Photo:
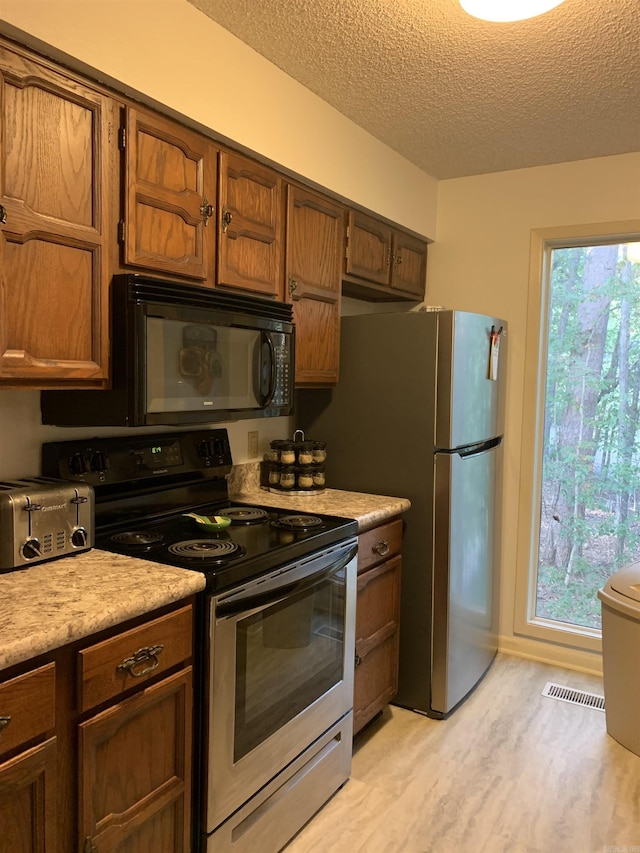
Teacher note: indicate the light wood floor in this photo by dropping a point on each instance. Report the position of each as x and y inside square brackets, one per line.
[510, 770]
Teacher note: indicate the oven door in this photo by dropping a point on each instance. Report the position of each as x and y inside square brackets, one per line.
[281, 671]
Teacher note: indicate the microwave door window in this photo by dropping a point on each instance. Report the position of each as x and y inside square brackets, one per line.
[198, 366]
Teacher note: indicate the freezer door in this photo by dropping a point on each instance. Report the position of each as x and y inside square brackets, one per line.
[469, 400]
[464, 642]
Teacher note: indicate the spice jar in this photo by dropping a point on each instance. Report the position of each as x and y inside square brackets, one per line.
[274, 452]
[274, 474]
[287, 453]
[305, 478]
[305, 452]
[319, 451]
[318, 477]
[287, 477]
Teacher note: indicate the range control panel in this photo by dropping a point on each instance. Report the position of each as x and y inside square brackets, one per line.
[123, 459]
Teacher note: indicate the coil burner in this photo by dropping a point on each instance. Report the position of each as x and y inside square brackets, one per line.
[244, 514]
[138, 540]
[206, 550]
[299, 522]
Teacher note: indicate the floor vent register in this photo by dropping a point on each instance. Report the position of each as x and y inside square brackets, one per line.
[575, 697]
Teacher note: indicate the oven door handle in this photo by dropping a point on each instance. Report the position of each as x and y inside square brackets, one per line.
[242, 603]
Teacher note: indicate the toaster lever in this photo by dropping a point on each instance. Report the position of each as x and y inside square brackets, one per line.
[79, 499]
[32, 507]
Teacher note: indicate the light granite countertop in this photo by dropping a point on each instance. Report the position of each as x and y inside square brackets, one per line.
[368, 510]
[51, 604]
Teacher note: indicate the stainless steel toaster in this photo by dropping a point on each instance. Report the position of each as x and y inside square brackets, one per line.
[42, 518]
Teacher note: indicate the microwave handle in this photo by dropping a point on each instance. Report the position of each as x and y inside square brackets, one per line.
[268, 397]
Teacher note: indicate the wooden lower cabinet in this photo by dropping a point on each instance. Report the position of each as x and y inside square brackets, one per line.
[377, 621]
[135, 768]
[96, 742]
[28, 811]
[28, 791]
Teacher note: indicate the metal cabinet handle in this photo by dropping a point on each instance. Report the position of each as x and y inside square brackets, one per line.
[3, 214]
[227, 216]
[4, 722]
[150, 653]
[358, 660]
[397, 260]
[381, 547]
[206, 211]
[293, 285]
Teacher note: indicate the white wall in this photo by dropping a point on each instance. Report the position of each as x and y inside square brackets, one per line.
[172, 53]
[480, 262]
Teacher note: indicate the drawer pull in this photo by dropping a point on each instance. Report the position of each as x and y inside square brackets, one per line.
[4, 722]
[150, 653]
[357, 661]
[381, 547]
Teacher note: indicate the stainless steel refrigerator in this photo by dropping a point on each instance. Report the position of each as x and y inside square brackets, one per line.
[417, 413]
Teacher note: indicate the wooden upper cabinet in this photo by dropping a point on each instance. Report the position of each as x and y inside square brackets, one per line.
[58, 162]
[170, 195]
[409, 264]
[383, 263]
[368, 248]
[250, 226]
[315, 229]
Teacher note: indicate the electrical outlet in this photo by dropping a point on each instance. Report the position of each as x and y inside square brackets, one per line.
[252, 444]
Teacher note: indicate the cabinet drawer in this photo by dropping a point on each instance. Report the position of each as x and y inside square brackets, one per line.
[378, 544]
[133, 657]
[29, 703]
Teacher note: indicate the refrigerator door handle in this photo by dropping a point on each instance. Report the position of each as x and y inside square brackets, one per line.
[481, 447]
[472, 449]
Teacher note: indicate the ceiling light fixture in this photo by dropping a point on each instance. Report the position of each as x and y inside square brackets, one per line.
[508, 10]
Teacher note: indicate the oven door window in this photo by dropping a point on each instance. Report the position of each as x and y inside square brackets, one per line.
[197, 366]
[287, 655]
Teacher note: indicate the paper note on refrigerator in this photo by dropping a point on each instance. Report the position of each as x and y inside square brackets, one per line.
[494, 352]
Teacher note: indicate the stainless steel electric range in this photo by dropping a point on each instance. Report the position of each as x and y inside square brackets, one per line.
[275, 627]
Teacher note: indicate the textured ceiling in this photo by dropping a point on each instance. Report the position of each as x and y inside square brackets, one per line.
[454, 95]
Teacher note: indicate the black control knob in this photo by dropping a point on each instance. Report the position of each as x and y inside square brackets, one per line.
[31, 549]
[79, 537]
[206, 448]
[99, 462]
[78, 464]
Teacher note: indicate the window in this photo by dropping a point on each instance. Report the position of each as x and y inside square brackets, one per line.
[580, 521]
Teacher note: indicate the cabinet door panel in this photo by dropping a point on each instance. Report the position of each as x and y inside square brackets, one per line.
[57, 164]
[135, 769]
[368, 248]
[315, 229]
[409, 270]
[171, 178]
[28, 801]
[250, 225]
[377, 640]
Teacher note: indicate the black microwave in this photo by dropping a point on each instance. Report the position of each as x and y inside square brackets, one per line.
[183, 354]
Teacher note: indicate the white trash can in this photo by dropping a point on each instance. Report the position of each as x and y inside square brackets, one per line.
[620, 599]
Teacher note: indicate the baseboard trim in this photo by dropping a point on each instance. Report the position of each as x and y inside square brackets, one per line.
[588, 662]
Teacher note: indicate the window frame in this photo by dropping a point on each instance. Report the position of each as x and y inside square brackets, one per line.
[543, 242]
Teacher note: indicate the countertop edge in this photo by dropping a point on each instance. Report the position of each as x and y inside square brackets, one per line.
[56, 603]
